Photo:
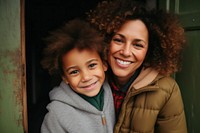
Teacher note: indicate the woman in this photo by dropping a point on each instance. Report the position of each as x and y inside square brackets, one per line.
[145, 49]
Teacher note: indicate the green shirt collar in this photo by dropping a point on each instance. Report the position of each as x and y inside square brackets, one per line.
[97, 101]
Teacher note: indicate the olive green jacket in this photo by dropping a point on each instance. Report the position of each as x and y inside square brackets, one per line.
[153, 104]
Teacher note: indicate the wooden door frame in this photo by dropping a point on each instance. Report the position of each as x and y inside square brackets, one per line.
[23, 66]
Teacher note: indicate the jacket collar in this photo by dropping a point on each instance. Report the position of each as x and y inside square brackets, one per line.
[146, 76]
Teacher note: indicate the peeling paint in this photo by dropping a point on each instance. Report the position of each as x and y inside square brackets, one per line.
[11, 100]
[10, 62]
[14, 59]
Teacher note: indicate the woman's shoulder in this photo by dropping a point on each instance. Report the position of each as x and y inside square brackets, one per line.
[164, 88]
[167, 83]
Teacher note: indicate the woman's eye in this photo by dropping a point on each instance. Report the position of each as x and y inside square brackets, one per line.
[138, 45]
[117, 40]
[93, 65]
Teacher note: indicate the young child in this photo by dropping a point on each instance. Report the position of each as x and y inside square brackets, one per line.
[83, 102]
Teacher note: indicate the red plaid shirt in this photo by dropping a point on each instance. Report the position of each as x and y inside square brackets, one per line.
[118, 97]
[120, 93]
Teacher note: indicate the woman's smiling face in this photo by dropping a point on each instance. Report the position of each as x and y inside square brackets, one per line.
[128, 49]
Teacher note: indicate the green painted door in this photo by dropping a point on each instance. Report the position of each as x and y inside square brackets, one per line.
[12, 68]
[189, 78]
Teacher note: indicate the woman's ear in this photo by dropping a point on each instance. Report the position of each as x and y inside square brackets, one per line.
[65, 79]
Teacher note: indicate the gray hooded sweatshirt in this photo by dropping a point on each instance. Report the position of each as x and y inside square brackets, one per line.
[70, 113]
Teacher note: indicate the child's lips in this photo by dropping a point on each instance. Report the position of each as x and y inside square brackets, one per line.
[90, 86]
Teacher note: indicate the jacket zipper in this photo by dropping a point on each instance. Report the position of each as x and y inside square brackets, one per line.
[103, 118]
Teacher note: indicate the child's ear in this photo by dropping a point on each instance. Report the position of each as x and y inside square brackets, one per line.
[105, 66]
[65, 79]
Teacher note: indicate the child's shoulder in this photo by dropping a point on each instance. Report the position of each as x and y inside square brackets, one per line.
[57, 108]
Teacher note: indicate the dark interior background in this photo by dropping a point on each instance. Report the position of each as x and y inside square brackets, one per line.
[42, 16]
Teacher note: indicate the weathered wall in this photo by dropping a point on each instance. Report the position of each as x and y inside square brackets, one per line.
[10, 68]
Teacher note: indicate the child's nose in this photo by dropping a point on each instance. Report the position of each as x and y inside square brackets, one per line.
[86, 76]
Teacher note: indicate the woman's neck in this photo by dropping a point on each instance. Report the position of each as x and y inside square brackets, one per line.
[124, 81]
[120, 81]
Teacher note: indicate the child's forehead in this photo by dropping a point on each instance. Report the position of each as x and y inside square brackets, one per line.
[81, 54]
[80, 58]
[81, 51]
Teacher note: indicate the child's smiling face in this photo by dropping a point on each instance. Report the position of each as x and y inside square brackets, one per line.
[84, 71]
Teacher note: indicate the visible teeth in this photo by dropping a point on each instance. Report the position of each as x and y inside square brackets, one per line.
[123, 62]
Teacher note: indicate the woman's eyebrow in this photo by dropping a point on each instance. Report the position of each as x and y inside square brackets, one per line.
[135, 40]
[121, 35]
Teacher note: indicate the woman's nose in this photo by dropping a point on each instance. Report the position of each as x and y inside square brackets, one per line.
[126, 51]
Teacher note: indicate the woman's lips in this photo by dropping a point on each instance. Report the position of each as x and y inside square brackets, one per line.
[122, 63]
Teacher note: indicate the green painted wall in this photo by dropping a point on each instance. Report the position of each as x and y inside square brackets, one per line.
[189, 78]
[189, 81]
[10, 68]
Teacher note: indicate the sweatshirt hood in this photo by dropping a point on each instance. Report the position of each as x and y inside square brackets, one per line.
[66, 95]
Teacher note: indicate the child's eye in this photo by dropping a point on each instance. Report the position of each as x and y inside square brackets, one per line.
[74, 72]
[93, 65]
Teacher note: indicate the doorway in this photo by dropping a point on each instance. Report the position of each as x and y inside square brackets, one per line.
[41, 17]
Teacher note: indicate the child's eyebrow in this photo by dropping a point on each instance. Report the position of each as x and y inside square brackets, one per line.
[88, 62]
[91, 60]
[71, 67]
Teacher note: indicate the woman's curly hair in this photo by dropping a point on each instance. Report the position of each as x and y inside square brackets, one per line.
[74, 34]
[166, 35]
